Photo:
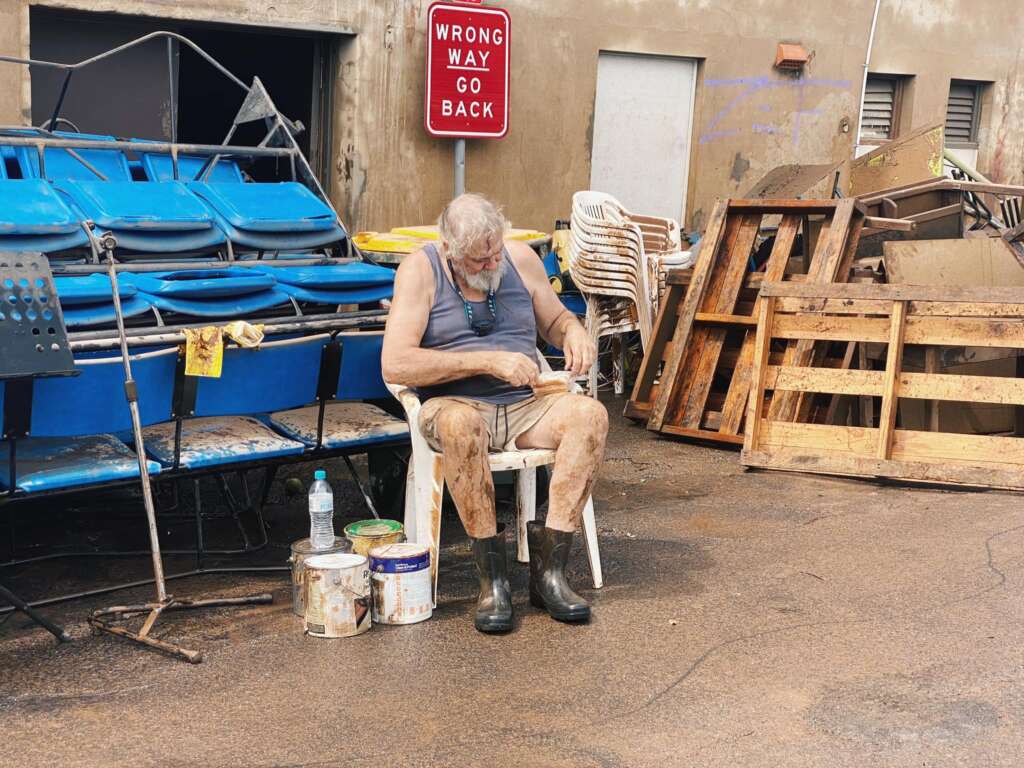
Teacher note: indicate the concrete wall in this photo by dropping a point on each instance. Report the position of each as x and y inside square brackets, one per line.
[748, 119]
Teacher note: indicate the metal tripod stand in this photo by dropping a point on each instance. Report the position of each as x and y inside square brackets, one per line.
[103, 620]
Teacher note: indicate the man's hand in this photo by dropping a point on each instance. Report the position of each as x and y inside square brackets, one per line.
[514, 367]
[580, 351]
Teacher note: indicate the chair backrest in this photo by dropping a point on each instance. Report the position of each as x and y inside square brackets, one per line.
[159, 167]
[276, 376]
[94, 403]
[61, 165]
[361, 377]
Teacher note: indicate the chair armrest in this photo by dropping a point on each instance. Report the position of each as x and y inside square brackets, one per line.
[410, 402]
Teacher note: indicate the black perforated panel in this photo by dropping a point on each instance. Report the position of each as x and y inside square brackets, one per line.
[33, 339]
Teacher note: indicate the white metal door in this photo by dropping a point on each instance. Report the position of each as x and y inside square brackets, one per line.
[643, 118]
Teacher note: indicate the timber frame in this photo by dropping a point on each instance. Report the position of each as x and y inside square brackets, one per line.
[695, 377]
[897, 316]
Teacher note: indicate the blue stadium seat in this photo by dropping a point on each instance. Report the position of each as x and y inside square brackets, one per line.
[349, 424]
[76, 420]
[223, 431]
[270, 216]
[228, 292]
[144, 216]
[354, 283]
[33, 217]
[160, 168]
[86, 300]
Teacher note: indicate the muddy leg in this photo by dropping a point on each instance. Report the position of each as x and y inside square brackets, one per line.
[576, 427]
[463, 438]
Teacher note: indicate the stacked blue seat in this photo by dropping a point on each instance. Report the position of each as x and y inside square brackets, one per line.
[87, 300]
[355, 283]
[144, 216]
[212, 293]
[260, 216]
[33, 217]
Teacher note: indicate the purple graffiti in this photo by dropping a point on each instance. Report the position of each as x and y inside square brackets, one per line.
[753, 85]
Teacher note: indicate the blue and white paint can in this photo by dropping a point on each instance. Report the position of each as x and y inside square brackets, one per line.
[401, 583]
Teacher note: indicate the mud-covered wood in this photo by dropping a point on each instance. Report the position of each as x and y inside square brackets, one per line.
[696, 375]
[900, 315]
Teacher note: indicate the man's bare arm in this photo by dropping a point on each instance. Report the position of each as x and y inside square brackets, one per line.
[405, 362]
[555, 323]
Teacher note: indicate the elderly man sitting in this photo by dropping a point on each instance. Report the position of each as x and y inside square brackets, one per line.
[463, 331]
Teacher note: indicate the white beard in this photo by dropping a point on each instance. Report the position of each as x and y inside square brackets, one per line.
[485, 280]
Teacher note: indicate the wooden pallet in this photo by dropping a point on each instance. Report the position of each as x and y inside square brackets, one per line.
[696, 373]
[894, 315]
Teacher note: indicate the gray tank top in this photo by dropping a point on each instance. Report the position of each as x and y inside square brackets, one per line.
[515, 330]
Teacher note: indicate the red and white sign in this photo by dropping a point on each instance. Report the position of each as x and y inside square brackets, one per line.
[467, 71]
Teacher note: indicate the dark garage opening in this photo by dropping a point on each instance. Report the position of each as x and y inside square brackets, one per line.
[129, 95]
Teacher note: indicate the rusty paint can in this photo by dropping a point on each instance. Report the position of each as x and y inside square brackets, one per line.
[367, 534]
[401, 583]
[337, 595]
[301, 550]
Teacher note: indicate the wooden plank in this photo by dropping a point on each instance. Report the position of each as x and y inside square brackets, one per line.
[881, 307]
[694, 297]
[829, 328]
[736, 261]
[879, 292]
[713, 318]
[737, 397]
[832, 253]
[945, 472]
[826, 380]
[962, 389]
[702, 434]
[888, 224]
[890, 390]
[663, 328]
[936, 213]
[824, 438]
[965, 332]
[762, 350]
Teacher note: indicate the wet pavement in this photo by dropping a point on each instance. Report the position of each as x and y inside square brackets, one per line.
[748, 619]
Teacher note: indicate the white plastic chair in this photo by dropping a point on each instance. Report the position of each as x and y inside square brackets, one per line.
[424, 489]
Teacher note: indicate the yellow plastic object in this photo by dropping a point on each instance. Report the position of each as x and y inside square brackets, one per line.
[560, 245]
[204, 351]
[410, 239]
[385, 242]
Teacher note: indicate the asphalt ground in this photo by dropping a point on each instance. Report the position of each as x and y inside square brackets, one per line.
[748, 619]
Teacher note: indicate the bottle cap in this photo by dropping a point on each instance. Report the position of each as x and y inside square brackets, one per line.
[319, 475]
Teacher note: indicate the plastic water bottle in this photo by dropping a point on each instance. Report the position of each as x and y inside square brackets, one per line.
[321, 512]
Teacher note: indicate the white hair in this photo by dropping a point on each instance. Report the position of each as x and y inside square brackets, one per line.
[467, 222]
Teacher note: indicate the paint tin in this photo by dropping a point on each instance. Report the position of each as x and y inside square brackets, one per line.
[302, 549]
[401, 583]
[367, 534]
[337, 595]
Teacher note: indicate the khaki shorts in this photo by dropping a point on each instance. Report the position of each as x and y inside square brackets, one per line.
[505, 423]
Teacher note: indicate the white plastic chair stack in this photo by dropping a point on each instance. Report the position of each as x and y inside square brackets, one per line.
[613, 260]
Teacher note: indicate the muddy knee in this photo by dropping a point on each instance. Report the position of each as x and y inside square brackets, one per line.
[460, 424]
[590, 414]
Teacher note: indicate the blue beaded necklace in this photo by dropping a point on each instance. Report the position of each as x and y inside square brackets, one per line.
[479, 327]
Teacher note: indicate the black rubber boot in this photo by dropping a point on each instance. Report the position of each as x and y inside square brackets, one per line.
[494, 606]
[549, 554]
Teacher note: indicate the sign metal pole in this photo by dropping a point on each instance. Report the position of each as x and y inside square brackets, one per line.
[460, 167]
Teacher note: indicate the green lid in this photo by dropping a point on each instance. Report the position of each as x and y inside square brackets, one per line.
[373, 528]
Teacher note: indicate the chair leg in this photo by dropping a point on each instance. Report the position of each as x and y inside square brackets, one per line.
[526, 509]
[429, 485]
[619, 368]
[410, 503]
[589, 525]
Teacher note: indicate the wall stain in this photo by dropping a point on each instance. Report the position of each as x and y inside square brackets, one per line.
[740, 166]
